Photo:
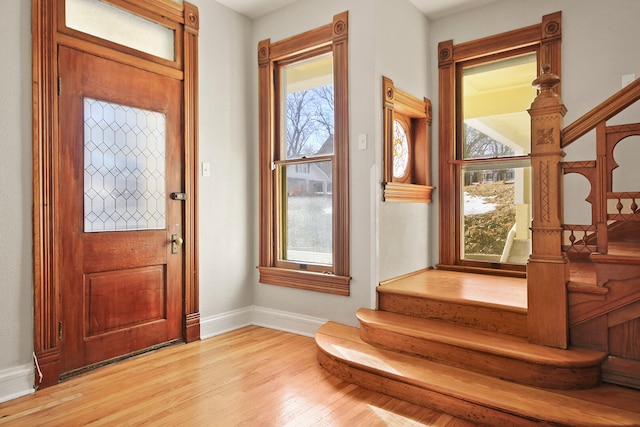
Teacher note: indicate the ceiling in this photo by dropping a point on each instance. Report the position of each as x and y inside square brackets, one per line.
[433, 9]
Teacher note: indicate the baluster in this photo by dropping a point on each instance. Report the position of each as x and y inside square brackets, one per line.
[619, 206]
[572, 239]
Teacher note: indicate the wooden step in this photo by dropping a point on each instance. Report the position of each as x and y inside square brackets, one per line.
[503, 356]
[476, 397]
[491, 303]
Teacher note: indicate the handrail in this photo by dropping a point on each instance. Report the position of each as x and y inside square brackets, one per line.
[603, 112]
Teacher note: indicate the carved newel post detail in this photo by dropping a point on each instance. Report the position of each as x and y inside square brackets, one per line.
[548, 269]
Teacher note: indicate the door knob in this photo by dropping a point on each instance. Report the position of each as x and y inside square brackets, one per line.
[176, 242]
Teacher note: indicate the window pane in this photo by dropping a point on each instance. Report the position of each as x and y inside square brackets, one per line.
[307, 212]
[496, 97]
[308, 108]
[496, 215]
[108, 22]
[124, 167]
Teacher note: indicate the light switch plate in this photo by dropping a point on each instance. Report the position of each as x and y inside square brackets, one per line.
[362, 141]
[206, 169]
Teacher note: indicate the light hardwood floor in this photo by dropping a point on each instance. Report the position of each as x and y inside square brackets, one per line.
[250, 377]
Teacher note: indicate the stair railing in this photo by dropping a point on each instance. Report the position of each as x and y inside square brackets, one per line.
[607, 206]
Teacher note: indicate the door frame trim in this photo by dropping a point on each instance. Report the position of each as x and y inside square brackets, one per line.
[46, 37]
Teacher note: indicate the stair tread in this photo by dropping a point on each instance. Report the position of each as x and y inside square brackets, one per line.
[462, 288]
[344, 343]
[504, 345]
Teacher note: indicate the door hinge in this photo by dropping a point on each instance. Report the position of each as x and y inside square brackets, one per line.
[59, 85]
[59, 331]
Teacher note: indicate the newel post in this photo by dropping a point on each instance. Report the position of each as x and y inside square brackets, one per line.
[547, 269]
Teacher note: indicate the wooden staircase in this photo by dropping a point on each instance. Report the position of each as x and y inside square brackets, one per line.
[448, 340]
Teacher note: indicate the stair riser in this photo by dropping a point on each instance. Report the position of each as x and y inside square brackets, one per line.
[485, 318]
[499, 366]
[451, 405]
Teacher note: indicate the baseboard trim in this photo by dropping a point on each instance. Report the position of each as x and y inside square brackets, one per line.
[260, 316]
[16, 382]
[225, 322]
[286, 321]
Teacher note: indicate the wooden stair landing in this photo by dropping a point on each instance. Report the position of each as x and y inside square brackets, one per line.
[502, 356]
[480, 398]
[491, 303]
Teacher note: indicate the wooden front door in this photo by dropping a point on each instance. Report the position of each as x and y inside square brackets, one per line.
[119, 229]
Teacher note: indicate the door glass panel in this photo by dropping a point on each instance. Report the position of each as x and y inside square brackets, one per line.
[108, 22]
[124, 167]
[307, 213]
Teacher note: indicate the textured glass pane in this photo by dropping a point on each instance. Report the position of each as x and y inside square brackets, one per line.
[400, 150]
[124, 167]
[307, 213]
[102, 20]
[308, 108]
[496, 215]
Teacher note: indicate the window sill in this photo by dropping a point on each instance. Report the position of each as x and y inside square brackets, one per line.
[400, 192]
[307, 280]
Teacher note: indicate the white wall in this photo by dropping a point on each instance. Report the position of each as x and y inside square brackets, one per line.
[16, 278]
[599, 45]
[402, 54]
[228, 233]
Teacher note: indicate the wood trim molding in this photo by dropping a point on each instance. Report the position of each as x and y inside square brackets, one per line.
[44, 128]
[47, 34]
[341, 233]
[191, 161]
[168, 8]
[266, 123]
[416, 114]
[319, 282]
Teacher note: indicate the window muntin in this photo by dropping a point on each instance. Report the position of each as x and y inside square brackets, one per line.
[493, 156]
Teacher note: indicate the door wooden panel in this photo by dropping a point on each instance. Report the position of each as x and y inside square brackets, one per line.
[123, 298]
[121, 289]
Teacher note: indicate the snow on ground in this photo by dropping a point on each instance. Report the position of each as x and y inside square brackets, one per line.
[474, 205]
